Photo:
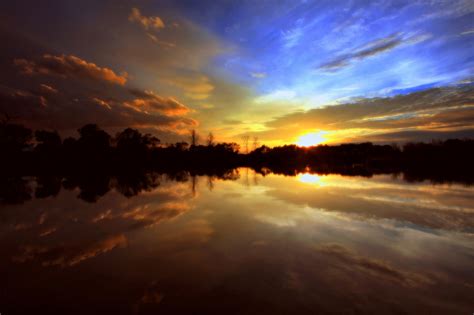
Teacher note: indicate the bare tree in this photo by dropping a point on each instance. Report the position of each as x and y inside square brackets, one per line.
[245, 139]
[194, 137]
[255, 143]
[210, 139]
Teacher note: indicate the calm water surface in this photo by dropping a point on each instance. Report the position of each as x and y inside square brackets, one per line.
[246, 245]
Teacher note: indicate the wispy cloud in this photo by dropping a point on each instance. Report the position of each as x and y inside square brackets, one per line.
[371, 49]
[468, 32]
[155, 39]
[258, 75]
[147, 22]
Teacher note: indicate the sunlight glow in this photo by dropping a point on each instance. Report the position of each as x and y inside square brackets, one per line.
[311, 139]
[309, 178]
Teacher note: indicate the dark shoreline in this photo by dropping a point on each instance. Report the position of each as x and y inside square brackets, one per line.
[131, 154]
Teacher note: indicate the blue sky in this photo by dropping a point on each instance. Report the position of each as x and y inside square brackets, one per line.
[289, 43]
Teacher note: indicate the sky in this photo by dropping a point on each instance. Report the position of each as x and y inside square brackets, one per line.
[285, 71]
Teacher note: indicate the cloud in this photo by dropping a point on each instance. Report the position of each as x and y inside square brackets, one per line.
[72, 255]
[147, 22]
[367, 112]
[446, 9]
[72, 98]
[258, 75]
[76, 106]
[468, 32]
[375, 267]
[371, 49]
[384, 202]
[292, 37]
[16, 102]
[444, 109]
[155, 39]
[195, 86]
[101, 102]
[48, 89]
[150, 216]
[69, 67]
[417, 135]
[148, 101]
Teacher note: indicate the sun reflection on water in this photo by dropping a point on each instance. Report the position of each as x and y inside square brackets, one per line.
[310, 179]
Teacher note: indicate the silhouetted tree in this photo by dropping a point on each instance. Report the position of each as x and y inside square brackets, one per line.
[135, 153]
[47, 186]
[245, 140]
[14, 138]
[255, 142]
[194, 138]
[92, 138]
[48, 141]
[14, 190]
[210, 139]
[132, 141]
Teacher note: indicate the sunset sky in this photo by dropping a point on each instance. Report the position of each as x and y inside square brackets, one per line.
[284, 71]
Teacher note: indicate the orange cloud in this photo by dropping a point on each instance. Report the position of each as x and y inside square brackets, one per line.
[150, 215]
[67, 256]
[147, 22]
[48, 89]
[102, 103]
[149, 102]
[69, 67]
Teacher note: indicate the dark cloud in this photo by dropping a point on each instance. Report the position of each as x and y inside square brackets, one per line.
[148, 101]
[418, 135]
[371, 49]
[368, 112]
[376, 267]
[66, 92]
[70, 256]
[47, 89]
[437, 109]
[66, 110]
[20, 103]
[69, 67]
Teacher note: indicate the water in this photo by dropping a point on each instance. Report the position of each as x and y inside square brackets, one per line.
[244, 245]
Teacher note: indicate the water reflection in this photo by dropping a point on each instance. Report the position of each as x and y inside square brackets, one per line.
[237, 242]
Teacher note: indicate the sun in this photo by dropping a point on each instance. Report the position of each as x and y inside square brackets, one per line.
[311, 139]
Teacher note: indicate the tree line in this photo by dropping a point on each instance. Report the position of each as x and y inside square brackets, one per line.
[95, 150]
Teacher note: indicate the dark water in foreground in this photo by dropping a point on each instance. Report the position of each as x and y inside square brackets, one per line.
[252, 245]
